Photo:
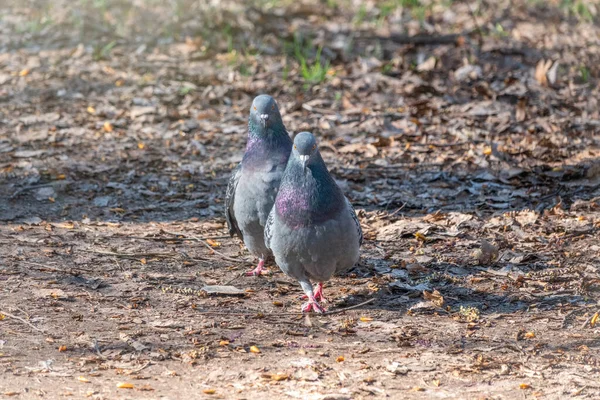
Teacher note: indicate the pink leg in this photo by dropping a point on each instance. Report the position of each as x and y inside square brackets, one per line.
[318, 293]
[259, 270]
[312, 305]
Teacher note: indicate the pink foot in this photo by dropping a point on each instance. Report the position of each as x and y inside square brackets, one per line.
[313, 306]
[259, 270]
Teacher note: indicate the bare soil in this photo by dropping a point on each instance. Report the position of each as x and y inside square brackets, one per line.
[466, 136]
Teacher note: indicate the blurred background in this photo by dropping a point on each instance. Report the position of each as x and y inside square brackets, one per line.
[116, 89]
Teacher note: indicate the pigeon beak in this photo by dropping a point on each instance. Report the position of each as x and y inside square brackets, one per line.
[304, 160]
[263, 119]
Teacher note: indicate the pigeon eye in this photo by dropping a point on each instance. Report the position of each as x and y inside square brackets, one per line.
[254, 108]
[295, 148]
[314, 147]
[273, 107]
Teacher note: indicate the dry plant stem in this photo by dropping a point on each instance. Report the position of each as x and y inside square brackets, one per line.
[341, 310]
[23, 321]
[178, 239]
[254, 313]
[135, 255]
[33, 187]
[209, 247]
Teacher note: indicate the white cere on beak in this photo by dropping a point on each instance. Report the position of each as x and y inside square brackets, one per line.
[304, 160]
[264, 118]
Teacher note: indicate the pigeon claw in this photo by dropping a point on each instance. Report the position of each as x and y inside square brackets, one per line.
[259, 270]
[312, 306]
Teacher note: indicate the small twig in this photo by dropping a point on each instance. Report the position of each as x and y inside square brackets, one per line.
[44, 185]
[442, 145]
[588, 320]
[282, 314]
[22, 320]
[42, 267]
[209, 247]
[341, 310]
[575, 311]
[136, 255]
[179, 239]
[477, 26]
[135, 371]
[418, 40]
[234, 278]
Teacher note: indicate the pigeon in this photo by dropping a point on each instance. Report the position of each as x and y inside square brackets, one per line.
[312, 230]
[254, 182]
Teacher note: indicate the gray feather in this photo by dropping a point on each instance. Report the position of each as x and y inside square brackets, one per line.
[312, 230]
[356, 222]
[229, 201]
[255, 182]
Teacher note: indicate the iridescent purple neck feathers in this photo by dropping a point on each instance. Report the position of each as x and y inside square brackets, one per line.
[308, 195]
[273, 147]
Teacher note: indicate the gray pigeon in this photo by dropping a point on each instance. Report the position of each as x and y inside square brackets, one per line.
[254, 182]
[312, 229]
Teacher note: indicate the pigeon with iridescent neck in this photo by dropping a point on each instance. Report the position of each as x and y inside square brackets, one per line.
[254, 182]
[312, 229]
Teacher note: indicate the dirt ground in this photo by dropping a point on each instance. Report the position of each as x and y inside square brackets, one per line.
[466, 134]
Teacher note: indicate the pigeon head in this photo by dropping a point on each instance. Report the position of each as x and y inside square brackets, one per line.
[264, 114]
[305, 148]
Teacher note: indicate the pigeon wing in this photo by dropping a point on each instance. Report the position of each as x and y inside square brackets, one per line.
[230, 199]
[356, 222]
[269, 228]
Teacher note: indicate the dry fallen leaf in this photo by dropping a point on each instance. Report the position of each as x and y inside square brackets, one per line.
[83, 379]
[420, 236]
[435, 297]
[91, 110]
[125, 385]
[11, 393]
[417, 389]
[366, 319]
[276, 377]
[427, 65]
[24, 72]
[541, 69]
[141, 145]
[524, 386]
[254, 349]
[213, 243]
[340, 359]
[530, 335]
[108, 127]
[209, 391]
[62, 348]
[521, 110]
[223, 342]
[487, 254]
[594, 320]
[367, 150]
[143, 261]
